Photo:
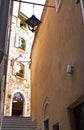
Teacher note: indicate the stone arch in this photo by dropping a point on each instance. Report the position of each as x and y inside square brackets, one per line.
[45, 115]
[24, 103]
[45, 106]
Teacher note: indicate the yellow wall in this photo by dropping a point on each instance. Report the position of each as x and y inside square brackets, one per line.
[59, 42]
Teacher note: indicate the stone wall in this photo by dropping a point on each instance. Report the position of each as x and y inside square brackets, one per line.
[59, 42]
[14, 82]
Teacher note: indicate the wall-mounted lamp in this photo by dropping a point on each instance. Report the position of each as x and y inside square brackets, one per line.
[70, 69]
[33, 23]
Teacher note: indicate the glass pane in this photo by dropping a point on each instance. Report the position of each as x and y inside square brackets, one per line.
[18, 96]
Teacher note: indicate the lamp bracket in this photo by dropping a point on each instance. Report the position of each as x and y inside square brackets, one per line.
[34, 3]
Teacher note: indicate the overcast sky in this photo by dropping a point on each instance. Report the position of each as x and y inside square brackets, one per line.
[27, 9]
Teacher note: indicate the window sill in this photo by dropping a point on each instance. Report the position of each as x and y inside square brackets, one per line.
[21, 50]
[22, 78]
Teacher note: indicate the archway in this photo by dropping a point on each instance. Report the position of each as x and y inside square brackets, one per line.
[45, 114]
[17, 104]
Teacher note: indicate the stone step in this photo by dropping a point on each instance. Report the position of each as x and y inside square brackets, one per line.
[23, 122]
[16, 118]
[17, 129]
[18, 123]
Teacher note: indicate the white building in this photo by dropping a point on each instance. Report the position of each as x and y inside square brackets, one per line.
[18, 84]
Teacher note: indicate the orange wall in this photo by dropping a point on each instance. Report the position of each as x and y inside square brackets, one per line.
[59, 42]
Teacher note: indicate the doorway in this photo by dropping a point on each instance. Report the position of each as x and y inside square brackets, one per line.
[79, 116]
[46, 124]
[17, 104]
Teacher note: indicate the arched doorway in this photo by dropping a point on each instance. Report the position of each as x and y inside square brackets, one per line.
[17, 104]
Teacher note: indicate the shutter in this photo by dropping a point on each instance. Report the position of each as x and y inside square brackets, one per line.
[16, 40]
[18, 22]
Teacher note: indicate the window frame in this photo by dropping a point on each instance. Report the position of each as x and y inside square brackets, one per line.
[58, 4]
[19, 63]
[23, 25]
[23, 42]
[16, 42]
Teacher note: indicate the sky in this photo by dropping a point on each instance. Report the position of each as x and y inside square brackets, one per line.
[29, 9]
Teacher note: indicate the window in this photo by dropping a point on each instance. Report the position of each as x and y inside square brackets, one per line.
[21, 43]
[20, 69]
[23, 25]
[58, 4]
[18, 96]
[79, 116]
[82, 8]
[56, 126]
[76, 111]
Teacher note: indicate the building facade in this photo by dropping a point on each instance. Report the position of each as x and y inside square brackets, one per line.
[18, 83]
[58, 66]
[5, 24]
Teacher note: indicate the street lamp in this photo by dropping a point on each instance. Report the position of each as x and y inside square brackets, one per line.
[33, 23]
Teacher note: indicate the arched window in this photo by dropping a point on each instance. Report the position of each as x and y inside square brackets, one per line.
[18, 96]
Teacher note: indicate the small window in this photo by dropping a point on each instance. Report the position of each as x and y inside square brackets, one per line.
[56, 126]
[82, 8]
[46, 124]
[21, 43]
[23, 25]
[20, 69]
[58, 4]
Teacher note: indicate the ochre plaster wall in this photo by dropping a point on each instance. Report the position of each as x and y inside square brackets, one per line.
[59, 42]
